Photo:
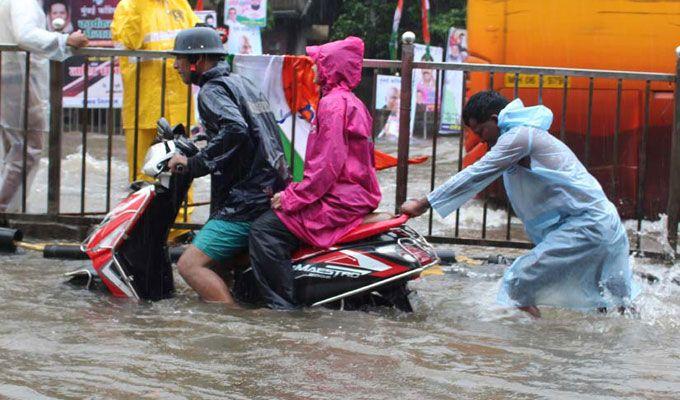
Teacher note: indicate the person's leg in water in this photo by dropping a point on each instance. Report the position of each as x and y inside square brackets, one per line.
[532, 310]
[271, 247]
[581, 265]
[522, 290]
[194, 266]
[11, 172]
[216, 242]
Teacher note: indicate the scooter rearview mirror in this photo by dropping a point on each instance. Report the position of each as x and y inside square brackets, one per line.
[179, 130]
[164, 130]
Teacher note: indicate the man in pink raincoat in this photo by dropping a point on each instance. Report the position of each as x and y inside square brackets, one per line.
[339, 187]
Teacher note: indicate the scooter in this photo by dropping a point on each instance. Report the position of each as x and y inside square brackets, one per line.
[369, 266]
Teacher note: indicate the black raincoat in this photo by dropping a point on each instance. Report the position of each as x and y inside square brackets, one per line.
[244, 154]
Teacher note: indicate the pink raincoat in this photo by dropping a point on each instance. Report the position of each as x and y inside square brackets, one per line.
[339, 187]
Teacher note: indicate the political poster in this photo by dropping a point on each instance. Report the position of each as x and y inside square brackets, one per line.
[245, 12]
[208, 17]
[387, 97]
[452, 91]
[93, 18]
[424, 81]
[98, 83]
[244, 39]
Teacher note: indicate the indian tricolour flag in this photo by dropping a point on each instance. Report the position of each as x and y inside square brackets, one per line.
[287, 83]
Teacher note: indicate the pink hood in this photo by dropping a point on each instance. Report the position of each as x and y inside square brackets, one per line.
[338, 63]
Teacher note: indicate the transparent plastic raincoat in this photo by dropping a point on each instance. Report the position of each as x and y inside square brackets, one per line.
[581, 255]
[23, 23]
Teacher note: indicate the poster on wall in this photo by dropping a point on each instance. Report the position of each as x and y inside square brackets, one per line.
[424, 82]
[387, 96]
[208, 17]
[244, 40]
[245, 12]
[93, 18]
[452, 91]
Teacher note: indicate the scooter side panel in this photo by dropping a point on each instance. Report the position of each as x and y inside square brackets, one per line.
[351, 267]
[144, 255]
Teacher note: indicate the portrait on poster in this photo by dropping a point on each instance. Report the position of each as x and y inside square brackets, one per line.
[244, 40]
[208, 17]
[452, 90]
[245, 12]
[59, 11]
[424, 84]
[425, 80]
[387, 96]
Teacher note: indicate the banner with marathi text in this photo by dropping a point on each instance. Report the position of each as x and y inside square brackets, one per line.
[93, 18]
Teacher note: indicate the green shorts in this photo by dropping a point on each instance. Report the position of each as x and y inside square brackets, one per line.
[221, 240]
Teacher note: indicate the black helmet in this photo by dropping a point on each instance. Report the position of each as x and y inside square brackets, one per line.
[198, 41]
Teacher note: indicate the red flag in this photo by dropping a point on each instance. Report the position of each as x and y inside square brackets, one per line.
[424, 17]
[199, 5]
[384, 160]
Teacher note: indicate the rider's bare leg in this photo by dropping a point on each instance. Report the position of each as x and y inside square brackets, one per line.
[194, 266]
[532, 310]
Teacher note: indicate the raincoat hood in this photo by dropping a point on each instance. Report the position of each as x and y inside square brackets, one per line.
[515, 114]
[338, 63]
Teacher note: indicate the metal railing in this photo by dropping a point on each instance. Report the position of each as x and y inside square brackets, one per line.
[406, 65]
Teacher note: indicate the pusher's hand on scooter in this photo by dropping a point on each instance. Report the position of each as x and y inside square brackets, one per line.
[415, 207]
[177, 164]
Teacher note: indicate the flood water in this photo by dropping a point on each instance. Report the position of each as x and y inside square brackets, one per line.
[59, 342]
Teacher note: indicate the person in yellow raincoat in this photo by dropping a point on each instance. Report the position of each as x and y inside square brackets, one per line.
[151, 25]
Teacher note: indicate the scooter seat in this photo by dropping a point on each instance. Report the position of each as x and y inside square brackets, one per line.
[373, 224]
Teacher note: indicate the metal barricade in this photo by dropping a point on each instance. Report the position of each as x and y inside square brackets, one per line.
[86, 215]
[407, 65]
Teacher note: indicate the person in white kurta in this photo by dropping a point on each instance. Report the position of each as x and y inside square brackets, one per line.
[24, 23]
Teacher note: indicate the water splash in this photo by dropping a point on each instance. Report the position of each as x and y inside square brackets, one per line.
[653, 235]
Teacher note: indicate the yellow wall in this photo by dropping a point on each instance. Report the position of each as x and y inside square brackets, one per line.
[604, 34]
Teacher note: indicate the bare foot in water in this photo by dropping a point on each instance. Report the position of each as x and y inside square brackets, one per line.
[532, 310]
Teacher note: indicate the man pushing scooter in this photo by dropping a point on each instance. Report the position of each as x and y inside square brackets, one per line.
[244, 156]
[581, 255]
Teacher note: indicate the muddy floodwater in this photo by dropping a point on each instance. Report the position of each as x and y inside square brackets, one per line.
[64, 343]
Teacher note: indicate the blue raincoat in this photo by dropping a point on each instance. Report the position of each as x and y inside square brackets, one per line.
[581, 255]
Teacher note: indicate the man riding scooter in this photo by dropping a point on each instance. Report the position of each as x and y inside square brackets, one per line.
[244, 156]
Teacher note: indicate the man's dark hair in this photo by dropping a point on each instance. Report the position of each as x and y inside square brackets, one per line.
[193, 58]
[483, 105]
[62, 2]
